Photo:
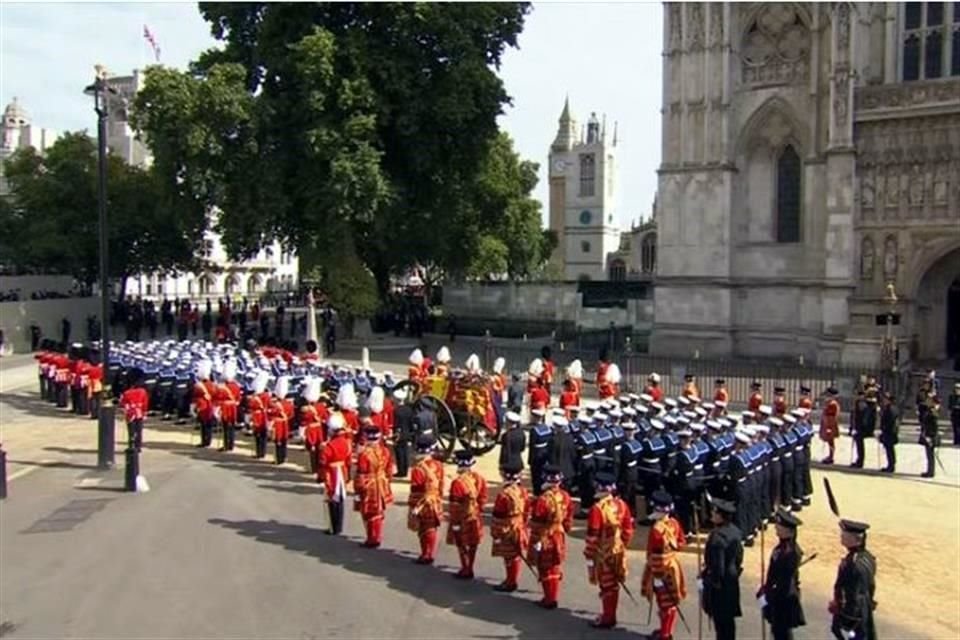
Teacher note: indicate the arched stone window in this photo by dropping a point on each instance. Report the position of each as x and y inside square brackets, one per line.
[254, 284]
[588, 175]
[618, 270]
[231, 284]
[789, 195]
[648, 253]
[206, 285]
[930, 40]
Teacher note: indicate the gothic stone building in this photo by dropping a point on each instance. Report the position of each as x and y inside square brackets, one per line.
[811, 158]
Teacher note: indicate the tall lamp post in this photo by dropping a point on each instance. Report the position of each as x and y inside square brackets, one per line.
[889, 351]
[101, 93]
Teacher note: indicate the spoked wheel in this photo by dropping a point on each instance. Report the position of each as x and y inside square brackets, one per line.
[474, 435]
[446, 425]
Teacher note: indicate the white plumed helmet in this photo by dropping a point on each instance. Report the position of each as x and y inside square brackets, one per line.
[416, 357]
[443, 355]
[311, 392]
[260, 382]
[499, 364]
[230, 370]
[613, 374]
[347, 397]
[375, 401]
[536, 367]
[473, 363]
[575, 370]
[654, 377]
[282, 387]
[204, 368]
[335, 422]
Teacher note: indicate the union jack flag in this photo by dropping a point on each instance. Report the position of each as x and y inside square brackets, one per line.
[153, 42]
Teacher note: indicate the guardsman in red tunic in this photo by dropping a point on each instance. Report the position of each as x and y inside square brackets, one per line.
[539, 397]
[575, 373]
[551, 518]
[135, 403]
[755, 401]
[416, 371]
[653, 388]
[280, 413]
[549, 368]
[663, 575]
[609, 531]
[690, 388]
[335, 469]
[509, 528]
[230, 395]
[608, 382]
[468, 497]
[313, 417]
[830, 423]
[720, 393]
[204, 398]
[41, 357]
[805, 401]
[498, 380]
[258, 403]
[95, 391]
[371, 485]
[380, 417]
[348, 404]
[779, 402]
[426, 498]
[62, 379]
[569, 397]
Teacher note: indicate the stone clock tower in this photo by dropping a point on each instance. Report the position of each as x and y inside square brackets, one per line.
[582, 197]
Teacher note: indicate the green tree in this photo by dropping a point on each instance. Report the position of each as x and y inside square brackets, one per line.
[371, 119]
[52, 217]
[490, 260]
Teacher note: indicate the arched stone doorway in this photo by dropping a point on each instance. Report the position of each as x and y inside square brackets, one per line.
[938, 309]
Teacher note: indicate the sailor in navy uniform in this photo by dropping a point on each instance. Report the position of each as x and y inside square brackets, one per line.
[739, 474]
[603, 449]
[537, 458]
[680, 481]
[651, 463]
[562, 451]
[777, 446]
[787, 463]
[629, 476]
[586, 444]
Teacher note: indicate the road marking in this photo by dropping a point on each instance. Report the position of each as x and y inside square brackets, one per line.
[30, 469]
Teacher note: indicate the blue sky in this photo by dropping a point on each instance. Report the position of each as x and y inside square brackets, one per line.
[606, 56]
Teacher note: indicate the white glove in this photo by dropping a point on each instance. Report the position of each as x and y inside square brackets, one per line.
[455, 527]
[538, 546]
[699, 584]
[589, 564]
[848, 633]
[657, 583]
[762, 600]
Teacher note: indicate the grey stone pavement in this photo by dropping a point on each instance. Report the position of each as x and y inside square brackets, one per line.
[224, 546]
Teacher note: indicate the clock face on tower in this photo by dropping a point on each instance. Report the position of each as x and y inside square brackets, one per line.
[559, 166]
[585, 217]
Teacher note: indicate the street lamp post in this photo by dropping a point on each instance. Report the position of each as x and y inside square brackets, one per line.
[101, 91]
[889, 343]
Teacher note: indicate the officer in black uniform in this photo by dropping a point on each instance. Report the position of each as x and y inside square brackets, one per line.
[722, 566]
[562, 451]
[930, 433]
[779, 597]
[513, 442]
[866, 425]
[628, 476]
[889, 431]
[853, 604]
[680, 481]
[738, 480]
[403, 433]
[586, 468]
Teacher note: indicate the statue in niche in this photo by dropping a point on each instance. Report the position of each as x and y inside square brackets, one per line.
[893, 188]
[916, 186]
[867, 256]
[890, 258]
[867, 194]
[941, 187]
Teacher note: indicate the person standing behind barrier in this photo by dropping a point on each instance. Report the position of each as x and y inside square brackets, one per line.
[930, 433]
[135, 403]
[889, 432]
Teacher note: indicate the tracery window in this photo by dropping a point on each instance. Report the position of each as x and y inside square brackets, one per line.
[588, 174]
[930, 40]
[788, 195]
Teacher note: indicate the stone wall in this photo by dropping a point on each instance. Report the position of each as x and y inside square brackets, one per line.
[16, 318]
[30, 284]
[542, 307]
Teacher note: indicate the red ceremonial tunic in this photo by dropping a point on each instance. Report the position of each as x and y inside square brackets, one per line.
[281, 412]
[569, 399]
[756, 399]
[426, 496]
[509, 527]
[415, 373]
[805, 403]
[663, 576]
[548, 371]
[539, 398]
[135, 403]
[96, 380]
[228, 398]
[551, 518]
[655, 392]
[468, 497]
[609, 531]
[829, 424]
[313, 417]
[690, 390]
[721, 395]
[779, 405]
[204, 395]
[257, 404]
[335, 463]
[371, 482]
[383, 422]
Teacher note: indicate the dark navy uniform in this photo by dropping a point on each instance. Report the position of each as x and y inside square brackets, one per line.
[586, 469]
[853, 591]
[629, 477]
[537, 458]
[777, 446]
[562, 453]
[512, 444]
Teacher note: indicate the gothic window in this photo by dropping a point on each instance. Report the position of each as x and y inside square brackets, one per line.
[618, 270]
[930, 40]
[788, 195]
[775, 49]
[648, 253]
[588, 174]
[585, 246]
[867, 256]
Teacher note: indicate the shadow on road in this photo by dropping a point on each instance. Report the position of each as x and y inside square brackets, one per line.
[59, 464]
[475, 599]
[70, 451]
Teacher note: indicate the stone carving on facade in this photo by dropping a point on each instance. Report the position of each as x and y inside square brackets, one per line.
[890, 258]
[888, 96]
[841, 95]
[776, 47]
[915, 193]
[892, 188]
[941, 185]
[867, 257]
[695, 24]
[716, 23]
[867, 191]
[843, 30]
[676, 25]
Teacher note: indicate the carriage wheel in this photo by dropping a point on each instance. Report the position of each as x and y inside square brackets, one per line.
[474, 435]
[446, 425]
